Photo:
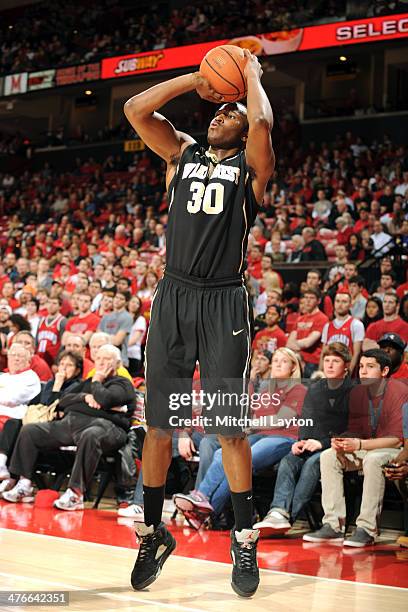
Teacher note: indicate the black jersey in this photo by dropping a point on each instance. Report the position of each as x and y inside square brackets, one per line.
[212, 207]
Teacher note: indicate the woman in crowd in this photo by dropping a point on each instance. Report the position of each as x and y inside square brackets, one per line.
[149, 286]
[136, 337]
[17, 323]
[355, 251]
[67, 377]
[373, 311]
[268, 445]
[326, 405]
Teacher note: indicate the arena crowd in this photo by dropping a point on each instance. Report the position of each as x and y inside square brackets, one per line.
[81, 255]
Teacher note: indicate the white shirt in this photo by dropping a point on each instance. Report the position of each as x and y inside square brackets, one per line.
[401, 189]
[379, 241]
[135, 350]
[16, 390]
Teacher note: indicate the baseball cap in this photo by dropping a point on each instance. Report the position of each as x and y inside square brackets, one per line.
[393, 339]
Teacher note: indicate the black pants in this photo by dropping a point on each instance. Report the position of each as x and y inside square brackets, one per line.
[9, 435]
[135, 366]
[92, 437]
[201, 320]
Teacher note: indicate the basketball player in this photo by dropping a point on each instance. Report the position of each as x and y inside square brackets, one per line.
[200, 310]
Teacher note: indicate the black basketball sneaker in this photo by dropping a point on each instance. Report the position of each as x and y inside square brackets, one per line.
[245, 573]
[155, 548]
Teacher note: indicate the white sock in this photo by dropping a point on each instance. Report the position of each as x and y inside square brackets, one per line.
[3, 460]
[25, 482]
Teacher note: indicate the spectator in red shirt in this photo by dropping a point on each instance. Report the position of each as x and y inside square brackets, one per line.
[391, 323]
[306, 337]
[403, 289]
[344, 228]
[395, 346]
[255, 262]
[4, 278]
[50, 331]
[258, 237]
[363, 220]
[86, 322]
[37, 364]
[272, 336]
[8, 293]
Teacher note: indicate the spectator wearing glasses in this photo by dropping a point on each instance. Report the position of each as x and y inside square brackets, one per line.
[37, 363]
[67, 376]
[17, 387]
[96, 418]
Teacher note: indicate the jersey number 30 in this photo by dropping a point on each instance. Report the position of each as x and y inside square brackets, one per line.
[210, 199]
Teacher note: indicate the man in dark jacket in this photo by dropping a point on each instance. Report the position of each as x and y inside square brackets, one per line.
[313, 249]
[326, 405]
[96, 420]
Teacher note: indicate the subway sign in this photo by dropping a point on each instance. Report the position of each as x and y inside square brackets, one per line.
[273, 43]
[372, 29]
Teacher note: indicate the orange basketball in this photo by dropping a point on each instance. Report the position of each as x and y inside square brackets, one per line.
[223, 67]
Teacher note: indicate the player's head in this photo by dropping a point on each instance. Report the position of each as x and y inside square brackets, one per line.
[229, 127]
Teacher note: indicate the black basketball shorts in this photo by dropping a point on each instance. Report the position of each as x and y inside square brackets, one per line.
[206, 321]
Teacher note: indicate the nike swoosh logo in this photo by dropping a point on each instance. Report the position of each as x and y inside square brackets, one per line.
[235, 333]
[249, 498]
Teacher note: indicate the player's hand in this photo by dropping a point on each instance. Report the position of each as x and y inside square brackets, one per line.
[252, 65]
[91, 401]
[186, 447]
[204, 89]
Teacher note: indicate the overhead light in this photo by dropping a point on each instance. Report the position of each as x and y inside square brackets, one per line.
[75, 31]
[88, 92]
[10, 27]
[343, 58]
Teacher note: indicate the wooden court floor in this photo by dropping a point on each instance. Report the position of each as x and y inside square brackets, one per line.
[97, 578]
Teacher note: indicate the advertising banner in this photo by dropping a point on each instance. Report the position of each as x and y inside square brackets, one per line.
[15, 84]
[274, 43]
[78, 74]
[43, 79]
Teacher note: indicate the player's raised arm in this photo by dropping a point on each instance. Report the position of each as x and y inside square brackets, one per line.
[259, 152]
[154, 129]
